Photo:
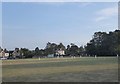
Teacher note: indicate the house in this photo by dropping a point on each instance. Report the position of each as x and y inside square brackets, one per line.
[16, 53]
[4, 53]
[60, 52]
[10, 54]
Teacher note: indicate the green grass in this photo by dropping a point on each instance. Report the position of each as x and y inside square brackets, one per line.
[61, 70]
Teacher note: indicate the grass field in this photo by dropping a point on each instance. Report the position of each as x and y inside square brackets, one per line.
[61, 70]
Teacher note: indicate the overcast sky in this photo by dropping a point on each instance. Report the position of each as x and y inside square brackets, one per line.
[32, 25]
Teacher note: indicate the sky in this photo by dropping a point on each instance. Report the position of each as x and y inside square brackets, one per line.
[60, 0]
[33, 24]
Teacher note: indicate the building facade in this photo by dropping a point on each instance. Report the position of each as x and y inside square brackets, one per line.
[4, 53]
[60, 52]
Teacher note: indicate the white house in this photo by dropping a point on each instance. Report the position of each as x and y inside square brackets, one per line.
[4, 54]
[16, 53]
[60, 52]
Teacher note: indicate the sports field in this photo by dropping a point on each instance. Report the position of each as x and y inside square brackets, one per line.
[85, 69]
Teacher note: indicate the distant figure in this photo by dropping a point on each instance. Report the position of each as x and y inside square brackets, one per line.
[95, 56]
[39, 58]
[117, 55]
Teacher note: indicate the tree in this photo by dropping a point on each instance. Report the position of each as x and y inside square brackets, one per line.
[74, 50]
[26, 53]
[72, 44]
[50, 48]
[48, 45]
[5, 50]
[117, 47]
[104, 44]
[61, 46]
[67, 52]
[37, 51]
[42, 53]
[81, 50]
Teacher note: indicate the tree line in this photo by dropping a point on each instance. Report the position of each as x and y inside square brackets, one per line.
[101, 44]
[71, 50]
[104, 44]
